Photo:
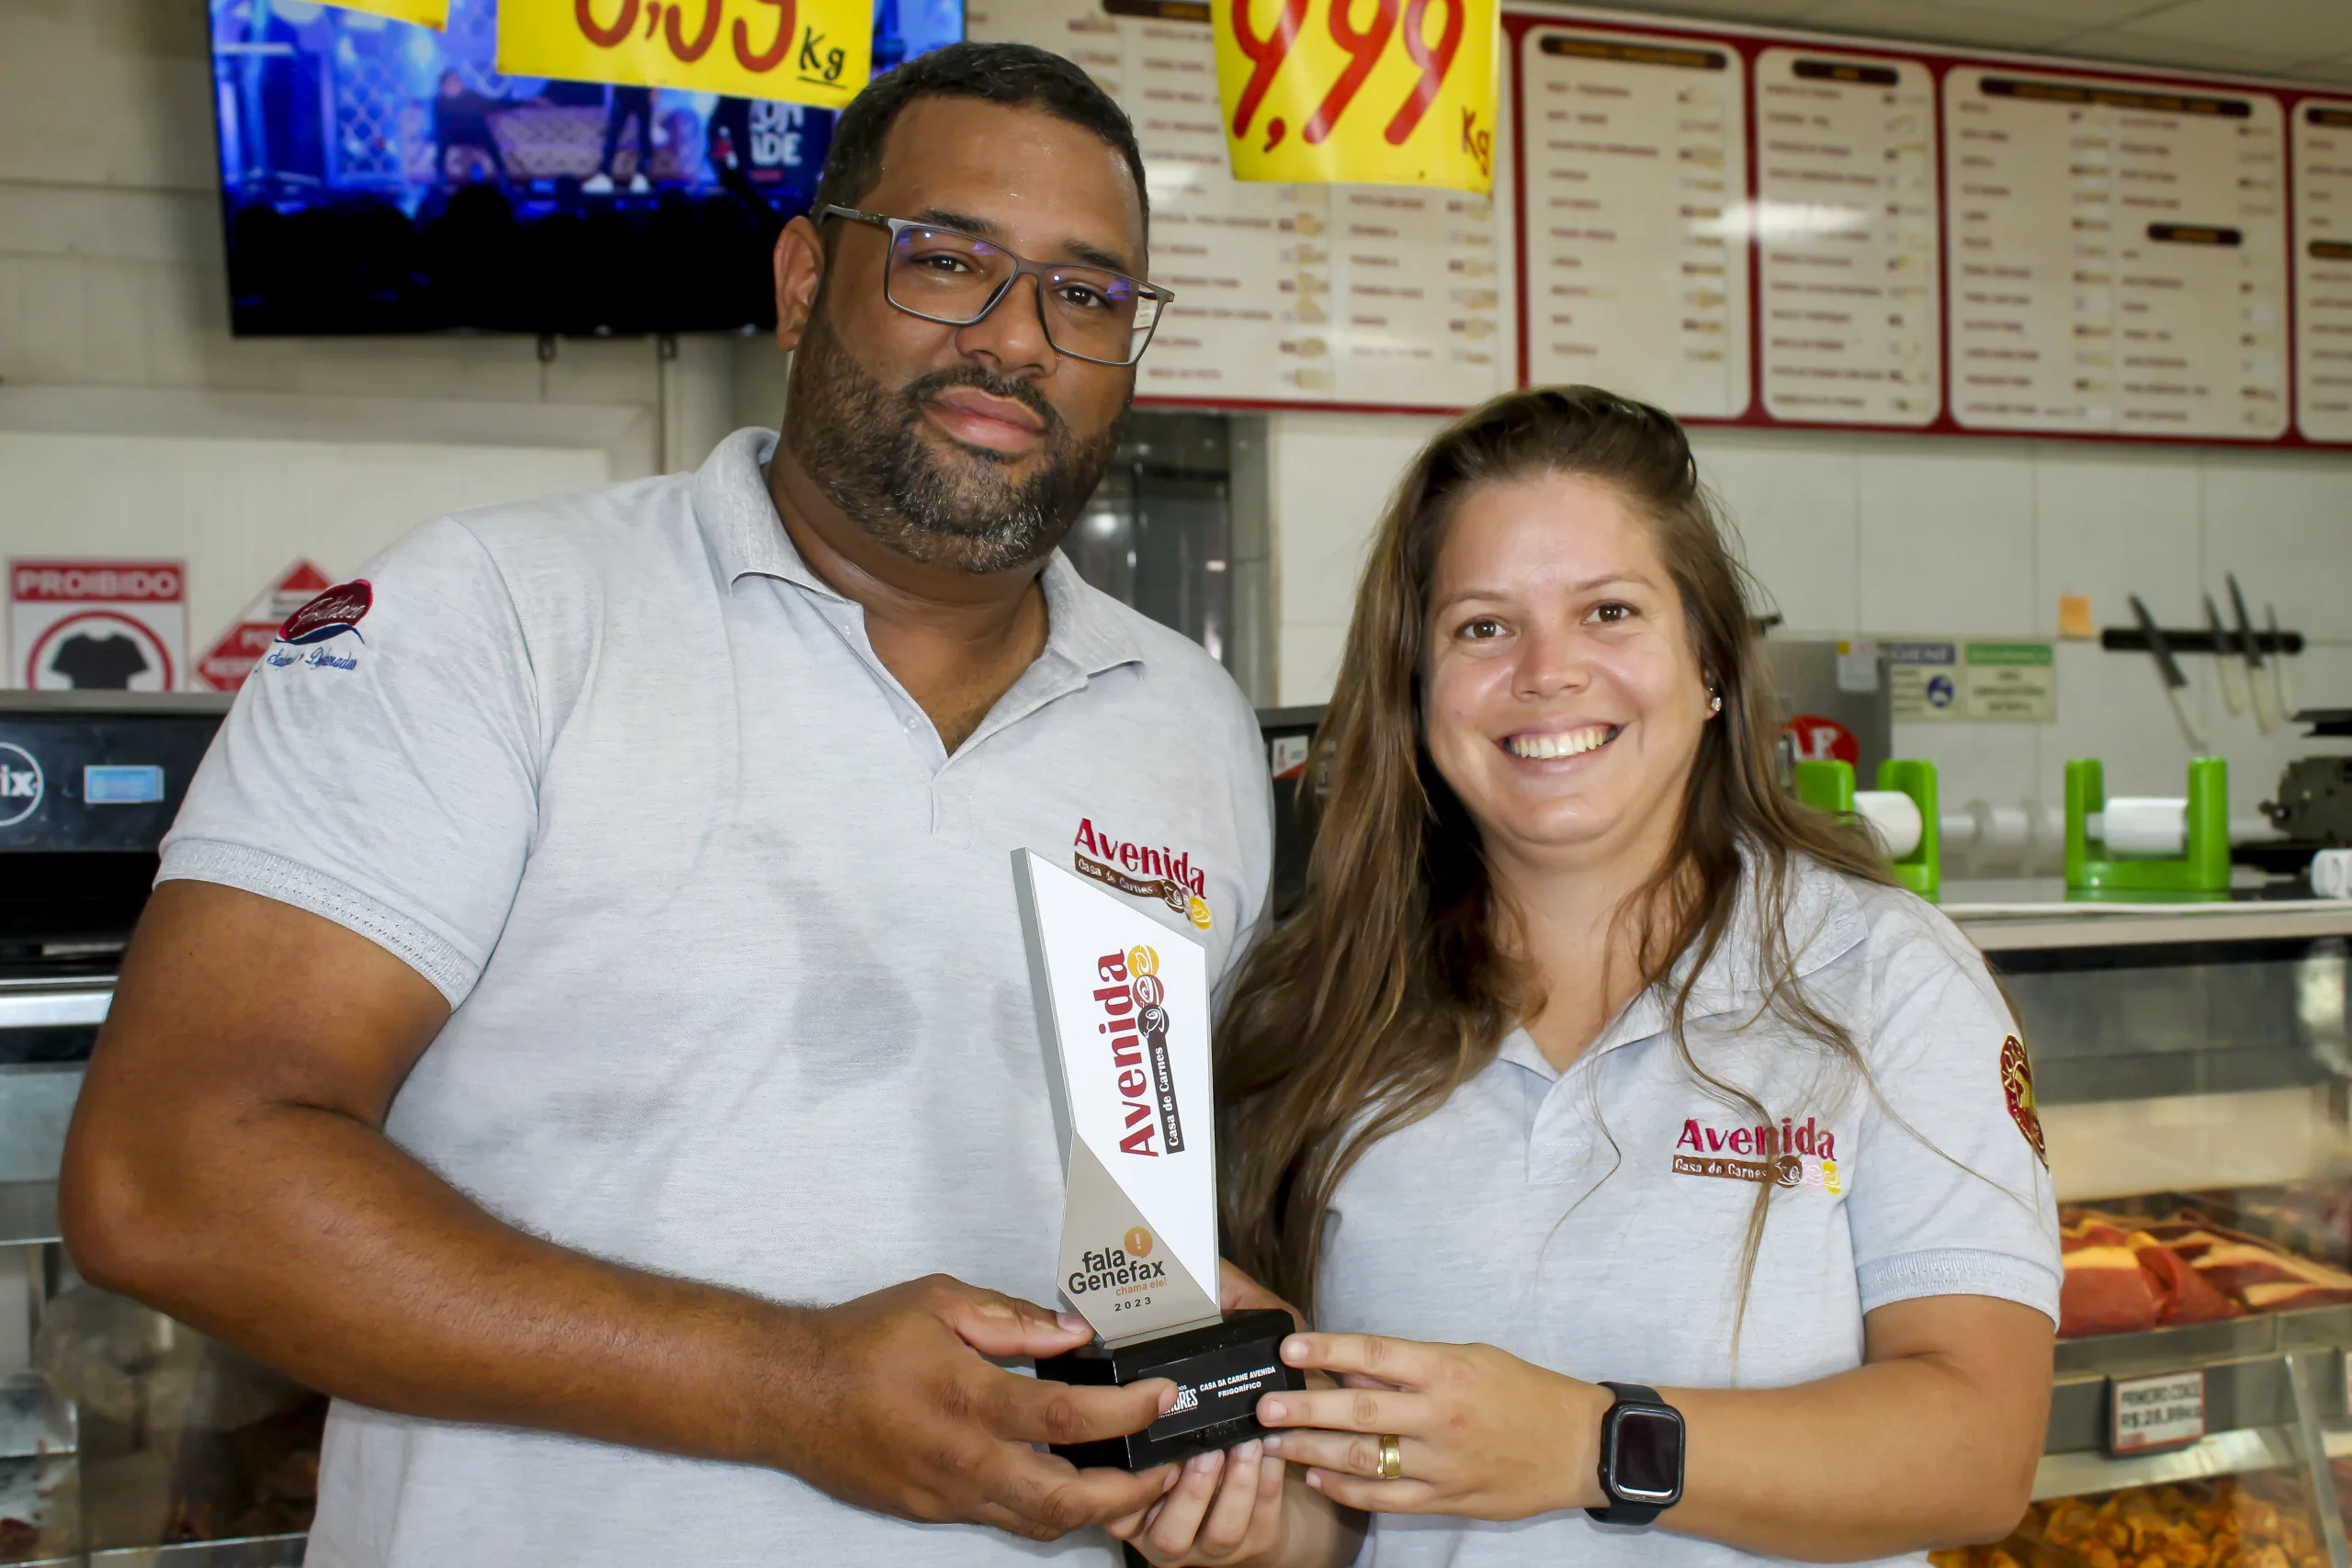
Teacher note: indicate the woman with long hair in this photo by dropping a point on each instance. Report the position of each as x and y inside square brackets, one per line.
[1665, 1181]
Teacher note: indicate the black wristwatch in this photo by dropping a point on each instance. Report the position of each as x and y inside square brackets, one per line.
[1641, 1456]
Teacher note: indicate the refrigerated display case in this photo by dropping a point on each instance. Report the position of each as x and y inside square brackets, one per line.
[127, 1439]
[2191, 1073]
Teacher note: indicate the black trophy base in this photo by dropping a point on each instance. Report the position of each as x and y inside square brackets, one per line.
[1221, 1371]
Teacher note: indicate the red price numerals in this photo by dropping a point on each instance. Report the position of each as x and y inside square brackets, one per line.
[1362, 46]
[666, 20]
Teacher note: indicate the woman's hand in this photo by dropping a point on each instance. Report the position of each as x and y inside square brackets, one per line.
[1484, 1435]
[1237, 1292]
[1224, 1508]
[1237, 1507]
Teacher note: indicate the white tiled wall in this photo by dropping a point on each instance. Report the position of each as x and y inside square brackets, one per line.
[239, 511]
[111, 278]
[1902, 536]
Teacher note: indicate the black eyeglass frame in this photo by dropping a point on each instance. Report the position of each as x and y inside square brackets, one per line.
[1022, 268]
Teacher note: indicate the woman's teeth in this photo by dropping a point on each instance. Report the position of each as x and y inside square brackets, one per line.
[1574, 743]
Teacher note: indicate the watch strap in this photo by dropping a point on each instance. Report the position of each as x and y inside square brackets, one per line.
[1620, 1512]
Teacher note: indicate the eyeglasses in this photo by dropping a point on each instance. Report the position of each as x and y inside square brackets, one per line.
[954, 278]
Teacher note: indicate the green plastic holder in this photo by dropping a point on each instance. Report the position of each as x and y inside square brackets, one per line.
[1830, 786]
[1922, 870]
[1827, 787]
[2201, 873]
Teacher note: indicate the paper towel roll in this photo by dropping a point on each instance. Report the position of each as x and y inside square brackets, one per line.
[1984, 839]
[2332, 874]
[2002, 832]
[2142, 825]
[1892, 816]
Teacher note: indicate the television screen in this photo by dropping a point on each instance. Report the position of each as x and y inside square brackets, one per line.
[381, 177]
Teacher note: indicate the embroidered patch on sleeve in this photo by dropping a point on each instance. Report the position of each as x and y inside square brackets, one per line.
[2016, 1088]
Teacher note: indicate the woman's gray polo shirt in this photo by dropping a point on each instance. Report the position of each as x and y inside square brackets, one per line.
[1592, 1220]
[732, 942]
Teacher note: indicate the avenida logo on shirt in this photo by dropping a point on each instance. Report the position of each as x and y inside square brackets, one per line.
[1789, 1156]
[1147, 872]
[333, 613]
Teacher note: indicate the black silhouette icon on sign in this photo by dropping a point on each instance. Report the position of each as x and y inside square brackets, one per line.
[98, 664]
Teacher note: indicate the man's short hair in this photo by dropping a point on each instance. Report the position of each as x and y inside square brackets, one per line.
[1016, 74]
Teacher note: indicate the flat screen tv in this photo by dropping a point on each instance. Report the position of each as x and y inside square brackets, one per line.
[381, 177]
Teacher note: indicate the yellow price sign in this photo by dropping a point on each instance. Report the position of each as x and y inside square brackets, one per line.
[1381, 92]
[804, 51]
[434, 14]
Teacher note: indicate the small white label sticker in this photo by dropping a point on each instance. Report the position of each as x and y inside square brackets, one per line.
[2165, 1411]
[1858, 666]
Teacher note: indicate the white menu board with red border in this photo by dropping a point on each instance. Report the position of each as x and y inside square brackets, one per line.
[1635, 156]
[2118, 256]
[1762, 227]
[2319, 159]
[1845, 218]
[1385, 295]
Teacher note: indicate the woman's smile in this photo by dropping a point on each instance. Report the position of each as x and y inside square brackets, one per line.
[1539, 745]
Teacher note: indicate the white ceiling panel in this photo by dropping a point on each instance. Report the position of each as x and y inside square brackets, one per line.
[1729, 10]
[2155, 48]
[1931, 21]
[2298, 29]
[2311, 38]
[2077, 14]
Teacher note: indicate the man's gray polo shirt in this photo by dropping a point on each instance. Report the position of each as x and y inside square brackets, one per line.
[731, 940]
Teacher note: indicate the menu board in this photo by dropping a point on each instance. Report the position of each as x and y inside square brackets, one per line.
[2320, 146]
[1746, 225]
[1636, 185]
[1379, 294]
[1846, 238]
[2116, 256]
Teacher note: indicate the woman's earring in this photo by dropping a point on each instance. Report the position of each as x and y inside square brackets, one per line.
[1716, 703]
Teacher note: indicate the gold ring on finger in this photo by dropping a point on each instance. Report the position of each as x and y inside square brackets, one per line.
[1392, 1457]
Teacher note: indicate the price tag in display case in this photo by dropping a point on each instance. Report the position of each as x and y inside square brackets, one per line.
[803, 51]
[1381, 92]
[2148, 1414]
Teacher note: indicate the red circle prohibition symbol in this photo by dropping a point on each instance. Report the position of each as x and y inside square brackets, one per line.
[140, 629]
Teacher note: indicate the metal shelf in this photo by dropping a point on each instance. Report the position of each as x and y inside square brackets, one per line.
[2219, 1453]
[2025, 926]
[44, 1003]
[252, 1551]
[2274, 1387]
[29, 1212]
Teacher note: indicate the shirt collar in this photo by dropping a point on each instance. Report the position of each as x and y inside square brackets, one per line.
[1822, 924]
[1084, 624]
[746, 537]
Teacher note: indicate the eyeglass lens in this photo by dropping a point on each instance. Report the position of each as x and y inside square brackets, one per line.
[952, 278]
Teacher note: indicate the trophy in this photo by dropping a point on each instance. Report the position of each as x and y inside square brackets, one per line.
[1123, 1005]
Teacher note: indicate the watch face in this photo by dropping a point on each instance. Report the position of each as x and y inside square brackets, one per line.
[1646, 1461]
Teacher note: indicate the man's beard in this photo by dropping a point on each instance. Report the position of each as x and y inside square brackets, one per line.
[861, 446]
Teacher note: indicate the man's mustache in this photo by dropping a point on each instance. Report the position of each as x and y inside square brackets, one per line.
[923, 389]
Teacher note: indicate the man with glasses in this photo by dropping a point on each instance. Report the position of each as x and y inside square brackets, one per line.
[583, 1023]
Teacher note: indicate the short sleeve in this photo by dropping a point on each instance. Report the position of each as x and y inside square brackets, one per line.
[383, 776]
[1951, 1194]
